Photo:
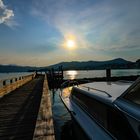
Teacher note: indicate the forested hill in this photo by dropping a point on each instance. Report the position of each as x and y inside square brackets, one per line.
[118, 63]
[15, 68]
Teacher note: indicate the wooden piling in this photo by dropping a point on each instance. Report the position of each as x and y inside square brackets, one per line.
[44, 129]
[55, 77]
[4, 82]
[108, 74]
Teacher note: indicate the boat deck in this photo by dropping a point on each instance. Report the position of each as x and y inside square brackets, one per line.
[113, 89]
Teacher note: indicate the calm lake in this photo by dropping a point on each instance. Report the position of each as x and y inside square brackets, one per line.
[98, 73]
[73, 74]
[12, 75]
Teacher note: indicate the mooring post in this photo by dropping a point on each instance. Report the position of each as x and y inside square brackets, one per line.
[52, 77]
[4, 83]
[15, 79]
[108, 74]
[61, 72]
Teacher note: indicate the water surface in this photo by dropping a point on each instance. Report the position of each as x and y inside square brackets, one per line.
[78, 74]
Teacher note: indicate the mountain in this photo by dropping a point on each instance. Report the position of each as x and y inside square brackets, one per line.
[15, 68]
[138, 63]
[118, 63]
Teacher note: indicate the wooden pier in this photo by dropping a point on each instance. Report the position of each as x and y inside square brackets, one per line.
[44, 129]
[20, 108]
[55, 77]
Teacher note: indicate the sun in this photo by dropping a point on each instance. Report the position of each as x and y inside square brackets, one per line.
[70, 44]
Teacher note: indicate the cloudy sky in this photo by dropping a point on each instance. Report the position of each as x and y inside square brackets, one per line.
[33, 32]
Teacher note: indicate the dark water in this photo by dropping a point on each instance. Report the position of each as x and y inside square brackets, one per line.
[62, 118]
[66, 128]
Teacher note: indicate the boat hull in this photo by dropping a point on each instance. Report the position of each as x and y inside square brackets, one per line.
[90, 127]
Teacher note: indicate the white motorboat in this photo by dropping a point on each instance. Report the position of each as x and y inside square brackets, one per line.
[105, 110]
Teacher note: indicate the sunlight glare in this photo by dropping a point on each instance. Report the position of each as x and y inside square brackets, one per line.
[70, 44]
[71, 74]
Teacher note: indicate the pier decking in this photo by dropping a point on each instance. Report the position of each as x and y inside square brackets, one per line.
[19, 111]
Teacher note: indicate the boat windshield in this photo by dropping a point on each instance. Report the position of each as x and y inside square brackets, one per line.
[134, 94]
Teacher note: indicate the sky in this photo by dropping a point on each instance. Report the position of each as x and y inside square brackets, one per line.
[34, 32]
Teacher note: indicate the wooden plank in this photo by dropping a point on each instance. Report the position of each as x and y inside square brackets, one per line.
[19, 111]
[44, 129]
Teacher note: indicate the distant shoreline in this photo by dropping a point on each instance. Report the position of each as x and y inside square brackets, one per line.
[117, 63]
[70, 70]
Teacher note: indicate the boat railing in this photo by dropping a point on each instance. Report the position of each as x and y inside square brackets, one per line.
[90, 88]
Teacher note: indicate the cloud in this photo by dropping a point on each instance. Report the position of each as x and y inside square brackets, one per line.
[97, 25]
[125, 48]
[6, 15]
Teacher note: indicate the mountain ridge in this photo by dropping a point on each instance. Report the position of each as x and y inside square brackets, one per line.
[89, 65]
[118, 63]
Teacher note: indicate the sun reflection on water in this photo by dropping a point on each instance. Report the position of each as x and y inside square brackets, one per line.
[71, 74]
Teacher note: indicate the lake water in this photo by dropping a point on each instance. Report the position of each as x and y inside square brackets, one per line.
[72, 74]
[12, 75]
[60, 115]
